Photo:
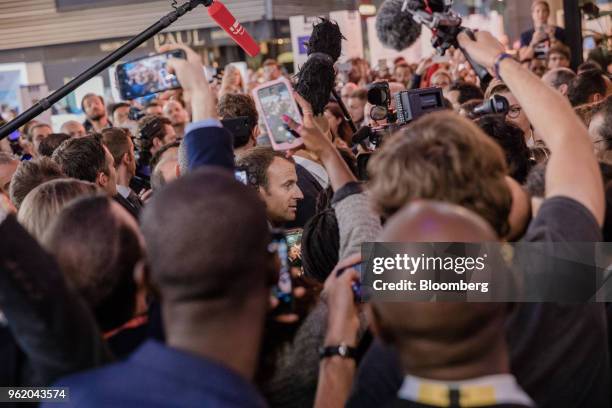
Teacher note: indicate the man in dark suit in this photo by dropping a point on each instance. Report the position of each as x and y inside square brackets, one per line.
[89, 160]
[213, 324]
[121, 147]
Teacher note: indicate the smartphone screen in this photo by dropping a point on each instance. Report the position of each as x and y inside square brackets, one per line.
[283, 289]
[294, 242]
[146, 76]
[275, 101]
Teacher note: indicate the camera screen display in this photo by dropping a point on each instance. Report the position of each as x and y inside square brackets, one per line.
[146, 76]
[276, 101]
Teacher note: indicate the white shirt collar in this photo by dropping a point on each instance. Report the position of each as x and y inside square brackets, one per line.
[124, 191]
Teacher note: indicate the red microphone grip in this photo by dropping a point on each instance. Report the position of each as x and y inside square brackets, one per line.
[222, 16]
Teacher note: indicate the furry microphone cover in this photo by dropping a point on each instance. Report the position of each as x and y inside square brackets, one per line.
[326, 38]
[316, 80]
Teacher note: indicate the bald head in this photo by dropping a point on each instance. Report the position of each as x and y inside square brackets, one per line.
[432, 221]
[73, 128]
[439, 337]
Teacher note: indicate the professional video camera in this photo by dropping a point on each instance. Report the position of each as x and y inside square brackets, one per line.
[409, 105]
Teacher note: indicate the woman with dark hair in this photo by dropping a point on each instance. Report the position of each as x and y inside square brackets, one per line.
[338, 125]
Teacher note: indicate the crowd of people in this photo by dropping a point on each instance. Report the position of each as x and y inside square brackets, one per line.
[136, 267]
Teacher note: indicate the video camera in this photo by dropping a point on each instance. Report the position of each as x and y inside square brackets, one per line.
[409, 105]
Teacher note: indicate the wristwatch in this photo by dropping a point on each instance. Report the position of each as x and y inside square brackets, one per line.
[342, 350]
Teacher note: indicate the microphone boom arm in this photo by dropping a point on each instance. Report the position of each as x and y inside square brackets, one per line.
[100, 66]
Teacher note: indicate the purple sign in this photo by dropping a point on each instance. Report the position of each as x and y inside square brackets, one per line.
[302, 49]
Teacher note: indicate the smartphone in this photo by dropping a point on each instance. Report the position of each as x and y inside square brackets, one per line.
[294, 241]
[275, 99]
[147, 75]
[283, 290]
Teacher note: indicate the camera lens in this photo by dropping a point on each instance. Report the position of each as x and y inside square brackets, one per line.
[378, 113]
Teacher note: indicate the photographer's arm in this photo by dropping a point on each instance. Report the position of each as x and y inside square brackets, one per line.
[206, 140]
[572, 169]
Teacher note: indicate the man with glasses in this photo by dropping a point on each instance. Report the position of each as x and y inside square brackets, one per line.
[515, 114]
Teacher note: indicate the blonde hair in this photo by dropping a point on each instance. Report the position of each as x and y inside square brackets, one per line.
[44, 203]
[444, 157]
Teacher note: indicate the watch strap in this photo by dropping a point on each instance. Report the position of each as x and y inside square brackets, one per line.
[341, 350]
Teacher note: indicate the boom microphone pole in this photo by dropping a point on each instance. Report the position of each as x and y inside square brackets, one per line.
[218, 12]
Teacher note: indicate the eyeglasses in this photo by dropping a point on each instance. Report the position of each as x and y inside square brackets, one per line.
[514, 111]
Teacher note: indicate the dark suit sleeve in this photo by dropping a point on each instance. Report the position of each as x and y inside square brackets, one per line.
[52, 325]
[210, 146]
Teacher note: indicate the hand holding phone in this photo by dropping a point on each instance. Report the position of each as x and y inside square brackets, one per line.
[147, 75]
[274, 101]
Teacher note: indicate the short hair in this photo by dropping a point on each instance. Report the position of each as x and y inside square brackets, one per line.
[97, 252]
[31, 174]
[588, 66]
[320, 245]
[50, 143]
[42, 205]
[466, 91]
[560, 49]
[157, 157]
[151, 127]
[90, 95]
[82, 159]
[512, 141]
[257, 160]
[442, 156]
[361, 94]
[208, 205]
[562, 76]
[116, 106]
[605, 130]
[586, 85]
[39, 125]
[236, 105]
[117, 141]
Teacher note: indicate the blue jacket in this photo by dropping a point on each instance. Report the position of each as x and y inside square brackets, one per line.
[208, 143]
[159, 376]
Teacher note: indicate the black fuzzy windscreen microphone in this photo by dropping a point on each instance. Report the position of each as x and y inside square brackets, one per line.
[326, 38]
[395, 28]
[316, 80]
